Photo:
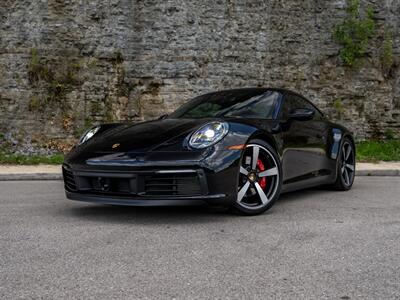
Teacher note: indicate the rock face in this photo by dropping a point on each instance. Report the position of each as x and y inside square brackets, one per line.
[67, 64]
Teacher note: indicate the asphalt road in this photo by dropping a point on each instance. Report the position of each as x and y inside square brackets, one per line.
[312, 244]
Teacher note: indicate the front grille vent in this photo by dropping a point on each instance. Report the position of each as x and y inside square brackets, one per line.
[69, 180]
[104, 185]
[172, 184]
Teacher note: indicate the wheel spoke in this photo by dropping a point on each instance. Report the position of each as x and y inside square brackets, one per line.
[269, 172]
[346, 175]
[263, 197]
[348, 152]
[350, 167]
[343, 153]
[256, 150]
[243, 171]
[243, 191]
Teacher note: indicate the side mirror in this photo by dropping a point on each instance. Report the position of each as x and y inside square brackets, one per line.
[302, 114]
[162, 117]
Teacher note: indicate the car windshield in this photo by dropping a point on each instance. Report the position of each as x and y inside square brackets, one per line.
[237, 104]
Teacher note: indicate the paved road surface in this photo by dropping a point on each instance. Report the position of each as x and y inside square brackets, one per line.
[312, 244]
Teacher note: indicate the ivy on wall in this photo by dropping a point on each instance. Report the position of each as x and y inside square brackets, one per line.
[354, 33]
[387, 56]
[56, 79]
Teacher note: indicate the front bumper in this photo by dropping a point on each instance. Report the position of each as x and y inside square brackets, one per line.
[174, 184]
[146, 201]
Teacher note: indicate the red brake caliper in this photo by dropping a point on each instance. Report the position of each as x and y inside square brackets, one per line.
[262, 181]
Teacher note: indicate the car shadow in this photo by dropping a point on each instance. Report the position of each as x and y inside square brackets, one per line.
[175, 215]
[300, 195]
[146, 215]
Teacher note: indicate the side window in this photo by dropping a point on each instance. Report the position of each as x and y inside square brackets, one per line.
[293, 101]
[307, 104]
[289, 104]
[260, 106]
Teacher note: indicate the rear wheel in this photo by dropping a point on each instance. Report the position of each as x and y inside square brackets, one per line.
[346, 167]
[259, 179]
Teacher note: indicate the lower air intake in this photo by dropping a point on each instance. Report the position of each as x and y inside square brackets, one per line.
[172, 184]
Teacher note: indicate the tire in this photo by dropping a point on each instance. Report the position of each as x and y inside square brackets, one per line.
[346, 166]
[259, 180]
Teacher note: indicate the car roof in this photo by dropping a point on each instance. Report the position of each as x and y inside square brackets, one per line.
[260, 90]
[254, 89]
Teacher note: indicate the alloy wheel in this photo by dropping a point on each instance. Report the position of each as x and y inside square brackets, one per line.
[347, 168]
[259, 177]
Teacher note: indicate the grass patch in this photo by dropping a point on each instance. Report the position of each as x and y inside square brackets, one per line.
[19, 159]
[373, 151]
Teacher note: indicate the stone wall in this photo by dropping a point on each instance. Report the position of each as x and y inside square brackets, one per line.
[66, 64]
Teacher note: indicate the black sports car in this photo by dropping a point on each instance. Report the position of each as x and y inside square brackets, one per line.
[239, 148]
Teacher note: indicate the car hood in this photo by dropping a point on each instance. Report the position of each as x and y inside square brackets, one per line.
[161, 139]
[143, 137]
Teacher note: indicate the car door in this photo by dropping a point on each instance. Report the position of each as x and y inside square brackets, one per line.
[304, 142]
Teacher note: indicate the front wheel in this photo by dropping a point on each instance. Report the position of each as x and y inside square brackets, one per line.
[260, 179]
[346, 167]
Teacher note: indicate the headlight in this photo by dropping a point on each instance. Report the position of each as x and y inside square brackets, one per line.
[88, 135]
[208, 135]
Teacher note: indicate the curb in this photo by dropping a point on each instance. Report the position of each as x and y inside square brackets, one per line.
[58, 176]
[33, 176]
[390, 172]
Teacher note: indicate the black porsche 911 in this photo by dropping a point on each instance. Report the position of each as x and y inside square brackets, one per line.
[238, 148]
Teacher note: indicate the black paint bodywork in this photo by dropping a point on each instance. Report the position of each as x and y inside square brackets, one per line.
[160, 148]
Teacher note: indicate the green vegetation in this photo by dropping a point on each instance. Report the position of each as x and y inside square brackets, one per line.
[19, 159]
[93, 62]
[54, 80]
[95, 108]
[387, 58]
[379, 150]
[7, 155]
[117, 58]
[57, 80]
[389, 134]
[355, 33]
[338, 106]
[37, 70]
[34, 103]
